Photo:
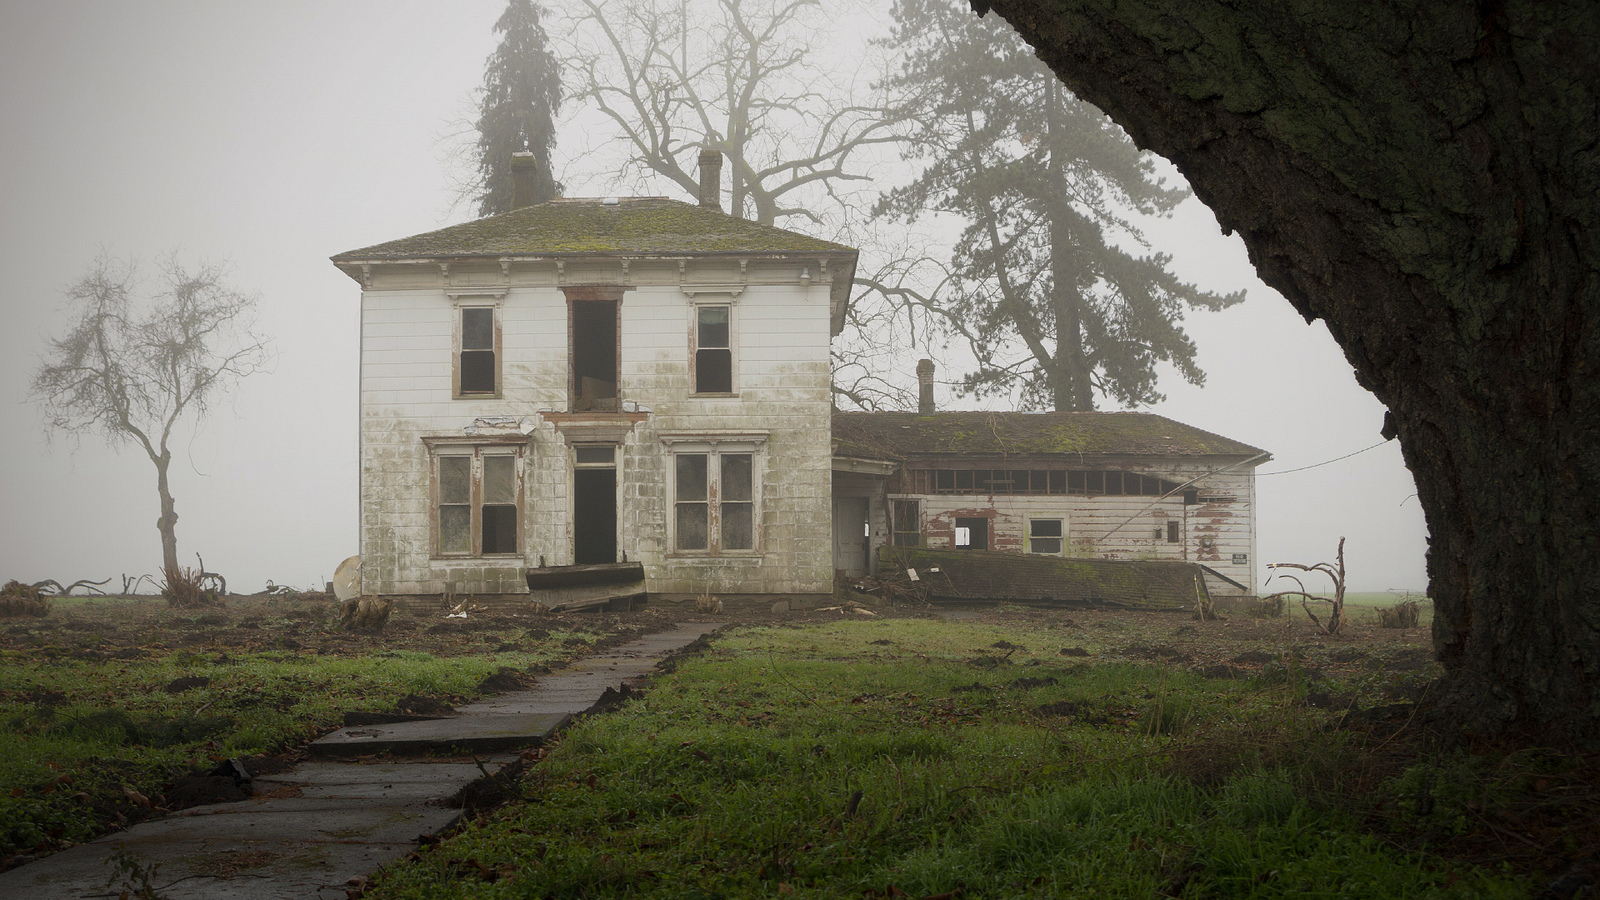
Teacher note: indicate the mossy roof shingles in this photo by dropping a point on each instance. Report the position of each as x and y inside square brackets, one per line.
[899, 435]
[633, 225]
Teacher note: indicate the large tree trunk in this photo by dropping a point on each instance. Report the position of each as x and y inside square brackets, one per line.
[1070, 375]
[1423, 176]
[168, 523]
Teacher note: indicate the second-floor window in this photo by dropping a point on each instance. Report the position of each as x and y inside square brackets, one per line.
[713, 350]
[477, 353]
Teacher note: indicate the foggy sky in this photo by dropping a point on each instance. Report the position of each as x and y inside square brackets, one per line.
[272, 136]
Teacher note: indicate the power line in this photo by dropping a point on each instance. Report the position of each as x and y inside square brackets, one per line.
[1325, 462]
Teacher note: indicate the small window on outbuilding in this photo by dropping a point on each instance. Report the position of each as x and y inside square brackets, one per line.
[972, 534]
[907, 523]
[1044, 536]
[1174, 534]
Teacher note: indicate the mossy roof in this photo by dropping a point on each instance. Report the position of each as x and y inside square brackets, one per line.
[901, 435]
[633, 225]
[1061, 581]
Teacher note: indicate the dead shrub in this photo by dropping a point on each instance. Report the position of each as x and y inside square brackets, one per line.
[18, 599]
[365, 613]
[1266, 607]
[185, 588]
[1405, 614]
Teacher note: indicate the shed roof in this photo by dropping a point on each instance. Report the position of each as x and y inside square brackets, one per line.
[1063, 581]
[899, 435]
[632, 225]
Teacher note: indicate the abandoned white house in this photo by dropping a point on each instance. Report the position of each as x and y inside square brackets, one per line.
[1109, 485]
[594, 381]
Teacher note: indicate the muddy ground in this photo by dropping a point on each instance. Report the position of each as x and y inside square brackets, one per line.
[1237, 645]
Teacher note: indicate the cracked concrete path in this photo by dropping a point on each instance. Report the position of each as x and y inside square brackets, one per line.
[307, 831]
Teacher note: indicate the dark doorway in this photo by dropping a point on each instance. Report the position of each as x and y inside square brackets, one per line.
[976, 532]
[594, 516]
[594, 355]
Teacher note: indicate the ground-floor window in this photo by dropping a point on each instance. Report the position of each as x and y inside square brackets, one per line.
[477, 498]
[907, 523]
[1044, 536]
[714, 501]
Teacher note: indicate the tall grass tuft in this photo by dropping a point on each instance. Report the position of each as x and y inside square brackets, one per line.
[18, 599]
[183, 589]
[1405, 614]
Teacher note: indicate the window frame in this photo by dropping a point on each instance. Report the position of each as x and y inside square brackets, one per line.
[476, 450]
[1060, 537]
[726, 301]
[897, 507]
[715, 450]
[461, 305]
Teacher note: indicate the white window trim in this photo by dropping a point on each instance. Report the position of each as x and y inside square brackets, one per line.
[730, 300]
[713, 446]
[1063, 538]
[894, 522]
[476, 448]
[492, 301]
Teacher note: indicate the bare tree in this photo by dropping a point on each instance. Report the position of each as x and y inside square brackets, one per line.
[741, 78]
[133, 374]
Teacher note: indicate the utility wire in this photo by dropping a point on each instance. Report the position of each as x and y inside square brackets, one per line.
[1325, 462]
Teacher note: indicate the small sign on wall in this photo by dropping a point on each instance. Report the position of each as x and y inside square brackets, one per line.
[1241, 559]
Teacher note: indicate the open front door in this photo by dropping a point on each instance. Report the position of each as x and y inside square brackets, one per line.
[594, 515]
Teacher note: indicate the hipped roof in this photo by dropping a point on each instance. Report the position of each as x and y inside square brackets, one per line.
[901, 435]
[632, 225]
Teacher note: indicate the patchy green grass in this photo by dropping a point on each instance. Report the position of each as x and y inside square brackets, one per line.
[86, 717]
[932, 759]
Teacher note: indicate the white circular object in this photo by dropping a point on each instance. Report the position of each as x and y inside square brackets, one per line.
[347, 579]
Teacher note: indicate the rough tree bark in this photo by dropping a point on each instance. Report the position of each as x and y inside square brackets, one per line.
[1422, 175]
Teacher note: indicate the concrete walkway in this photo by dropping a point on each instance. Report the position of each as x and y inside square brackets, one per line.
[308, 831]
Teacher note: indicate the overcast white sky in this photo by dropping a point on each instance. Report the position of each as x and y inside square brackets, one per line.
[273, 135]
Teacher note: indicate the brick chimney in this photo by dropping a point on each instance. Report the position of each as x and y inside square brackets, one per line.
[925, 387]
[524, 179]
[711, 179]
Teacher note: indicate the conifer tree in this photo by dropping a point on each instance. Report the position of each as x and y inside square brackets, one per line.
[521, 97]
[1049, 191]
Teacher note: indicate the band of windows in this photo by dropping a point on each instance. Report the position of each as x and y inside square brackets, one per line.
[1036, 481]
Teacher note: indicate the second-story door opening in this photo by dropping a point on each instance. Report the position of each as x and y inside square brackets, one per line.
[594, 355]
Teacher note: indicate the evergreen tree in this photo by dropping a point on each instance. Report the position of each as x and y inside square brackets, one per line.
[521, 97]
[1048, 187]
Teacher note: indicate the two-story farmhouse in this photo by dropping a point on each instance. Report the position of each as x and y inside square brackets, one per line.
[596, 381]
[1106, 485]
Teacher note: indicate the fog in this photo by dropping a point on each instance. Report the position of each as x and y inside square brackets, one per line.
[272, 136]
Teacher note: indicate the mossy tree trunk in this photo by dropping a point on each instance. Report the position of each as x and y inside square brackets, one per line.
[1422, 175]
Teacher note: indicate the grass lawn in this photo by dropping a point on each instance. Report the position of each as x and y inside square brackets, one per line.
[1020, 755]
[105, 702]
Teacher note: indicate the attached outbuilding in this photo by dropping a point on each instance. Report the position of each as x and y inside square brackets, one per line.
[1105, 485]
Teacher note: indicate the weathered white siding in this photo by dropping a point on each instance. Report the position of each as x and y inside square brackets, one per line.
[780, 349]
[1211, 531]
